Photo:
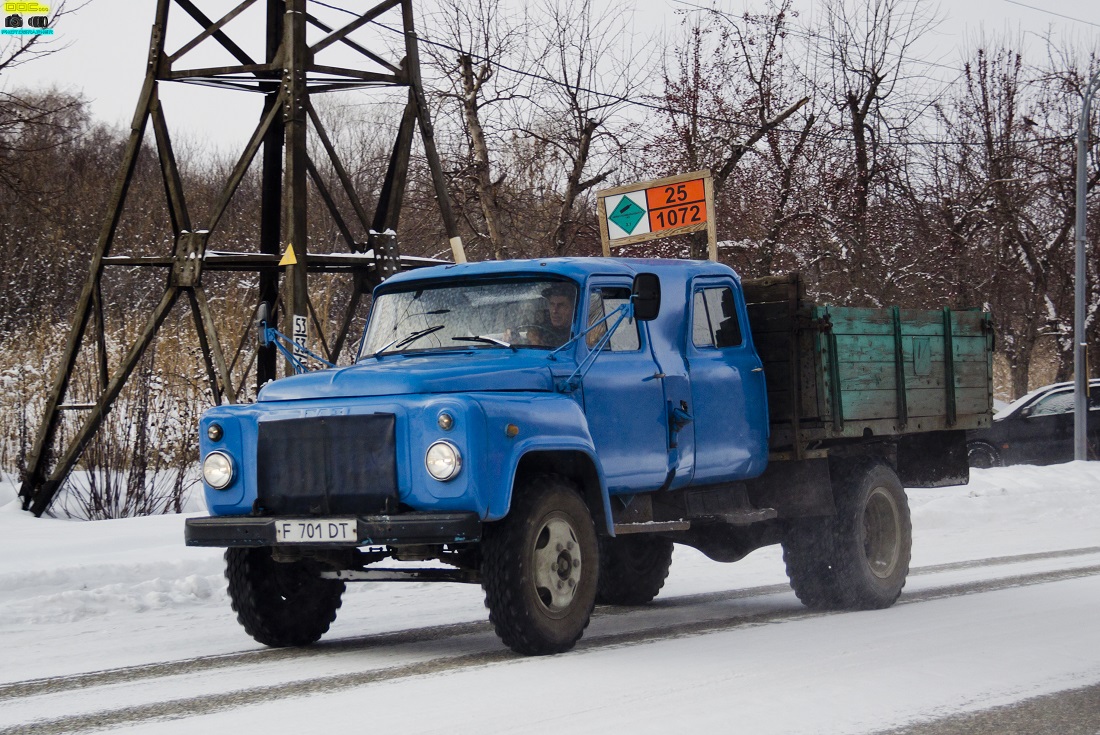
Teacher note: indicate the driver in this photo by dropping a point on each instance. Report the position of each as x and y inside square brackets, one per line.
[556, 326]
[560, 298]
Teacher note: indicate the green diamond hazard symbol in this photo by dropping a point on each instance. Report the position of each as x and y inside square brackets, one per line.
[626, 215]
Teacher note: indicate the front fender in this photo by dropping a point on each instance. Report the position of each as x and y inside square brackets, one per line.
[543, 423]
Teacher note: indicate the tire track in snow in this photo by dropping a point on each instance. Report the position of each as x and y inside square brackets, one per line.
[128, 674]
[213, 703]
[198, 665]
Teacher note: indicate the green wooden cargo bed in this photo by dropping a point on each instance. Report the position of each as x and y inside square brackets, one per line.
[836, 372]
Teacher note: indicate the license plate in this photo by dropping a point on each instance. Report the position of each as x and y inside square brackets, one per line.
[316, 531]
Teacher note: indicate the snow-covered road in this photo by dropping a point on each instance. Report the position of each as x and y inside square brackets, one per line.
[116, 624]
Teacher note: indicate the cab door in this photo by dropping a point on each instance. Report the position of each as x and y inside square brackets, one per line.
[727, 385]
[624, 396]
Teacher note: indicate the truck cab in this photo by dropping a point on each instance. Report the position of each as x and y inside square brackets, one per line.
[463, 359]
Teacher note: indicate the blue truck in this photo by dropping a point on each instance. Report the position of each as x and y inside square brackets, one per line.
[549, 429]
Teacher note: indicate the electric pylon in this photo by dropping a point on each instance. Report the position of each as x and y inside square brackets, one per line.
[291, 72]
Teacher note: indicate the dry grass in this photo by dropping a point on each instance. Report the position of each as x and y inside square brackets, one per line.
[143, 459]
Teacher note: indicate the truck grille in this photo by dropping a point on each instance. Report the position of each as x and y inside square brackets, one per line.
[327, 464]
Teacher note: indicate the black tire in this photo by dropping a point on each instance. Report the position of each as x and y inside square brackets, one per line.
[858, 559]
[540, 566]
[280, 604]
[632, 569]
[983, 456]
[808, 553]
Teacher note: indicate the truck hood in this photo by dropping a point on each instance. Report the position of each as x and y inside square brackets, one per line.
[392, 375]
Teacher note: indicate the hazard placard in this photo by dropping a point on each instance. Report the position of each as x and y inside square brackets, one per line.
[661, 208]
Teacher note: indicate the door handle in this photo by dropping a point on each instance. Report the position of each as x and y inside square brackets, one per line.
[758, 370]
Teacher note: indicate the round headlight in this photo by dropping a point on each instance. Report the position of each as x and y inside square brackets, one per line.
[443, 461]
[214, 432]
[217, 470]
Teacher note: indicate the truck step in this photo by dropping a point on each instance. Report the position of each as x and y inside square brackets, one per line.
[651, 527]
[403, 575]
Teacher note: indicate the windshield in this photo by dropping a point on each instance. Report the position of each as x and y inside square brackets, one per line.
[480, 315]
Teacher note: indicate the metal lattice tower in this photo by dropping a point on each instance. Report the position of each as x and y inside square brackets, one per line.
[287, 77]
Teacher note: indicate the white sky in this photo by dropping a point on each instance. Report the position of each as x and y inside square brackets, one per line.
[108, 41]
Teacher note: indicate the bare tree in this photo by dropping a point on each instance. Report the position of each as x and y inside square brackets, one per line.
[16, 50]
[868, 46]
[997, 184]
[1060, 89]
[485, 50]
[590, 70]
[730, 90]
[1005, 192]
[31, 122]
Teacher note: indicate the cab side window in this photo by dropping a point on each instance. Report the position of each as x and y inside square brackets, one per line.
[714, 319]
[603, 300]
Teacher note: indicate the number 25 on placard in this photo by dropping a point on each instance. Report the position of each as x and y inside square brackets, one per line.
[677, 193]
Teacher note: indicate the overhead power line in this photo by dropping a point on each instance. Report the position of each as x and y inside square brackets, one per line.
[1051, 12]
[644, 104]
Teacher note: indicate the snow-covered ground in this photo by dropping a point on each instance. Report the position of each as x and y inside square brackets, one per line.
[81, 597]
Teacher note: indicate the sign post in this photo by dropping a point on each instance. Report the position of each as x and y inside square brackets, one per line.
[648, 210]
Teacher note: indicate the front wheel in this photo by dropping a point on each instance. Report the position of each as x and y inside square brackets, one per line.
[539, 568]
[280, 603]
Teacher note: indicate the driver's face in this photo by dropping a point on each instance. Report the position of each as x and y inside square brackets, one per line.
[561, 311]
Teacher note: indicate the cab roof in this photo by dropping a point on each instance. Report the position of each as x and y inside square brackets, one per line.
[576, 269]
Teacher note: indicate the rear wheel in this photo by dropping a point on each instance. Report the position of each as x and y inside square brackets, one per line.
[860, 558]
[632, 569]
[280, 604]
[539, 568]
[809, 558]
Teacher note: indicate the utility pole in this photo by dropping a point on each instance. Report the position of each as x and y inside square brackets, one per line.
[1080, 345]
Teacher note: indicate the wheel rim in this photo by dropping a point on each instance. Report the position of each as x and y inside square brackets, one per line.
[558, 565]
[881, 533]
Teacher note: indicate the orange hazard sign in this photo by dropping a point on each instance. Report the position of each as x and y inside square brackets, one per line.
[676, 205]
[648, 210]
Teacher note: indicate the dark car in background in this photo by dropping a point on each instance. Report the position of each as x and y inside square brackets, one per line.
[1035, 429]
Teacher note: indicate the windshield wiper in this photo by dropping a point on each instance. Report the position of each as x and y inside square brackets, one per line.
[403, 341]
[487, 340]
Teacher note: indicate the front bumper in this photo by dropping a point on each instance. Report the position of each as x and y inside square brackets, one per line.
[372, 530]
